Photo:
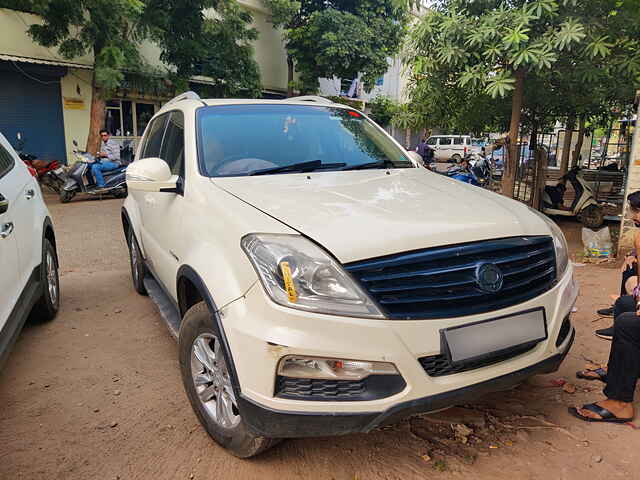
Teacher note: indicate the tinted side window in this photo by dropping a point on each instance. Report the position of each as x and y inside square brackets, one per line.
[153, 140]
[445, 140]
[173, 145]
[458, 141]
[432, 141]
[6, 162]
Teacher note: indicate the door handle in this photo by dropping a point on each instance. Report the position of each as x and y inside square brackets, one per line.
[4, 204]
[29, 194]
[7, 228]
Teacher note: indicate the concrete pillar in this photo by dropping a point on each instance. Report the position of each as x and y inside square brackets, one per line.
[627, 229]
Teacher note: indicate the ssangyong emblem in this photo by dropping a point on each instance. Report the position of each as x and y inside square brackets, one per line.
[489, 277]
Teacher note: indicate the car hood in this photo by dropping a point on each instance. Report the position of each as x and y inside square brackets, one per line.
[369, 213]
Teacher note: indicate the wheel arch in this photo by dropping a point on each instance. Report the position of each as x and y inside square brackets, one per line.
[49, 234]
[191, 288]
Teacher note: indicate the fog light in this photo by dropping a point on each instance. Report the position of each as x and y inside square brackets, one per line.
[332, 368]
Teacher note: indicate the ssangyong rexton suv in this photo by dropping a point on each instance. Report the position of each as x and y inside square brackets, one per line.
[320, 282]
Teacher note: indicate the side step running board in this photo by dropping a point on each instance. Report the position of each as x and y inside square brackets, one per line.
[167, 309]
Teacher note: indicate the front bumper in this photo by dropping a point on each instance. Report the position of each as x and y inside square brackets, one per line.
[283, 424]
[260, 333]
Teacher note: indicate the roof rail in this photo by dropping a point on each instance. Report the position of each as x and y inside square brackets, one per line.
[183, 96]
[311, 98]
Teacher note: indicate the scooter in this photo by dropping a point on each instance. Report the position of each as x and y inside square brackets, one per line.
[80, 179]
[50, 174]
[584, 206]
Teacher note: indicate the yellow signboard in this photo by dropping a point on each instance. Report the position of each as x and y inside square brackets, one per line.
[73, 103]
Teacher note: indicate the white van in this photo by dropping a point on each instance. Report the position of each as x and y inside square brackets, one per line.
[451, 148]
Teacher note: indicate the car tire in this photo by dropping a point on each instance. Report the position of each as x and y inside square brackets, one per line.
[209, 385]
[48, 304]
[455, 158]
[138, 269]
[66, 196]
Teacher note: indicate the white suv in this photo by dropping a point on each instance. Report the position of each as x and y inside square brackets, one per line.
[28, 259]
[321, 283]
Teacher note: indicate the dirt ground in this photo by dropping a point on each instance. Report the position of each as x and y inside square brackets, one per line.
[96, 394]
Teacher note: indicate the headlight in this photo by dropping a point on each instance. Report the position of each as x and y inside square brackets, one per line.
[296, 273]
[559, 242]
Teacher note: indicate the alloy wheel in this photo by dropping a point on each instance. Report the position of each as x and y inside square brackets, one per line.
[212, 381]
[52, 278]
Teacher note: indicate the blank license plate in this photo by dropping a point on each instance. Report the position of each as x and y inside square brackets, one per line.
[488, 338]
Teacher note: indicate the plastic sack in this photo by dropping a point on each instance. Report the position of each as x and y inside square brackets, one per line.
[597, 244]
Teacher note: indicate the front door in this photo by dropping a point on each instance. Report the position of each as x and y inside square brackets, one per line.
[162, 212]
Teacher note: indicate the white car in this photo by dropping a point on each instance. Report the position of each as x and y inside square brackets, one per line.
[321, 283]
[29, 262]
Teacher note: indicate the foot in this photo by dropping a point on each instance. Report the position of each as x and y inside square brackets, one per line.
[619, 409]
[588, 374]
[605, 312]
[605, 333]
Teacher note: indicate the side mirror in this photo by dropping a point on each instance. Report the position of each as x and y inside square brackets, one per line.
[416, 157]
[151, 175]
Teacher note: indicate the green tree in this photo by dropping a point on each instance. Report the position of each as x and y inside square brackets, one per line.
[109, 29]
[339, 38]
[217, 46]
[497, 47]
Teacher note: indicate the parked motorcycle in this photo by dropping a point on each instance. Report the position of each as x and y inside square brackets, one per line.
[49, 174]
[80, 179]
[473, 169]
[584, 206]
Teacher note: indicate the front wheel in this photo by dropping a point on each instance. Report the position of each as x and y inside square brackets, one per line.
[66, 196]
[455, 158]
[592, 216]
[207, 380]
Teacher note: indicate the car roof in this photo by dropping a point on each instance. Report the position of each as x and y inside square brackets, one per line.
[308, 101]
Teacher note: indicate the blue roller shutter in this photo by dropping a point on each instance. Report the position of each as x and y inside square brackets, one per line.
[30, 103]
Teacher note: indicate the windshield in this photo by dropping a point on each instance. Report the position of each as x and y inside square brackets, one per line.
[236, 140]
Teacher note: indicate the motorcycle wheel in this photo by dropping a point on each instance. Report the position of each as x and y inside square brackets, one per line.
[121, 192]
[592, 216]
[66, 196]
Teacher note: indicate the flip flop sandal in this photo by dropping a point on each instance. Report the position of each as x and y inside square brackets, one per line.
[601, 372]
[606, 415]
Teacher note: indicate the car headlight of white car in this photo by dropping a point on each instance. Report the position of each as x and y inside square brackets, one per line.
[559, 243]
[297, 273]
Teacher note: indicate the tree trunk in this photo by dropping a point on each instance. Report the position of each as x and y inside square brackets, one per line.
[540, 180]
[289, 76]
[578, 148]
[533, 142]
[96, 119]
[407, 139]
[511, 163]
[566, 144]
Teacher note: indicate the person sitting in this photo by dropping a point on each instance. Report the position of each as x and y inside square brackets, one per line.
[629, 280]
[621, 373]
[110, 153]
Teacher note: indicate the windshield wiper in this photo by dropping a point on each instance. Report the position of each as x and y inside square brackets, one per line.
[378, 164]
[297, 167]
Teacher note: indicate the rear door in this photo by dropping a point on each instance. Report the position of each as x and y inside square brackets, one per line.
[10, 287]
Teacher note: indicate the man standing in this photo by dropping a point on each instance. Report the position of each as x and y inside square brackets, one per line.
[110, 155]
